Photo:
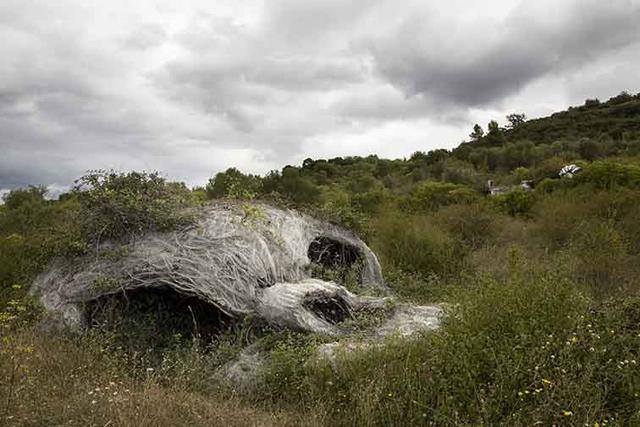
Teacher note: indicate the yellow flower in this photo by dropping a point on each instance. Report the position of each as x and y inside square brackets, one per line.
[546, 381]
[567, 413]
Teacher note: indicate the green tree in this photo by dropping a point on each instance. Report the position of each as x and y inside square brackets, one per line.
[477, 133]
[234, 184]
[31, 195]
[516, 120]
[493, 127]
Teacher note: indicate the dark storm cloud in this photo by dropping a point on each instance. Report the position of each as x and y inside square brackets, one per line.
[473, 65]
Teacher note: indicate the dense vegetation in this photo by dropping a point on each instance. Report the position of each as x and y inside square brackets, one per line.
[542, 288]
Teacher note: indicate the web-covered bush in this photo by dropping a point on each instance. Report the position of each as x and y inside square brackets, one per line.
[119, 205]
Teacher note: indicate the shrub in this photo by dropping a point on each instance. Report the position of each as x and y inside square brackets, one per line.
[608, 174]
[517, 202]
[414, 244]
[32, 233]
[118, 205]
[431, 195]
[234, 184]
[599, 254]
[473, 224]
[33, 195]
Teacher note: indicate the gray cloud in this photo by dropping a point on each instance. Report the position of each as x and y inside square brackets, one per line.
[192, 88]
[485, 62]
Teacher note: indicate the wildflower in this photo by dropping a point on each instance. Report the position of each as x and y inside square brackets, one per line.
[546, 381]
[149, 369]
[567, 413]
[93, 402]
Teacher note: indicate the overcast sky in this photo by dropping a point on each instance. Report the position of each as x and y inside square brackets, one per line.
[193, 87]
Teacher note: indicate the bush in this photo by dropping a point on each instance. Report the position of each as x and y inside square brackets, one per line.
[33, 195]
[32, 233]
[122, 205]
[474, 224]
[234, 184]
[608, 174]
[517, 202]
[414, 244]
[432, 195]
[599, 255]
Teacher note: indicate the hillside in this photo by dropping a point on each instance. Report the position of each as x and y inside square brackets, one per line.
[540, 288]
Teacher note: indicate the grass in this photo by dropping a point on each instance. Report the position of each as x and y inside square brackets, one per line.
[56, 380]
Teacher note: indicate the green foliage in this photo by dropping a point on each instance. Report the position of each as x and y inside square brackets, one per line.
[33, 231]
[432, 195]
[415, 244]
[297, 188]
[477, 133]
[474, 224]
[234, 184]
[608, 174]
[338, 206]
[33, 195]
[516, 120]
[121, 205]
[517, 202]
[599, 254]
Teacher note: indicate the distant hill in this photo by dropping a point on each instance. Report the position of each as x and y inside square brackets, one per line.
[616, 119]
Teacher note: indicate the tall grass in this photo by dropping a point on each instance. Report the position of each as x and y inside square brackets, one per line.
[57, 380]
